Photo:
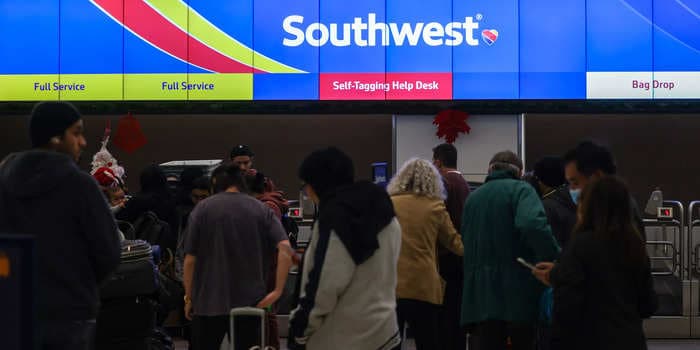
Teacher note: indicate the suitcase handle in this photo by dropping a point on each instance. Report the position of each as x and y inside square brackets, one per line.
[247, 311]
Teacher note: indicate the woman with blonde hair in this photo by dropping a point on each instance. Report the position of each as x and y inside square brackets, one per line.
[418, 194]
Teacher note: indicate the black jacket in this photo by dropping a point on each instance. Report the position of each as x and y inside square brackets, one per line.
[45, 194]
[561, 214]
[598, 302]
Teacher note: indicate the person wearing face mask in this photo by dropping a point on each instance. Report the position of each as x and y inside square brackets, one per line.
[588, 162]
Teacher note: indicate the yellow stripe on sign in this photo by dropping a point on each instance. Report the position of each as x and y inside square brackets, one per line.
[91, 87]
[209, 34]
[155, 86]
[229, 86]
[96, 87]
[28, 87]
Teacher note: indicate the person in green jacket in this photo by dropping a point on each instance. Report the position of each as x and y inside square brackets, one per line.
[503, 220]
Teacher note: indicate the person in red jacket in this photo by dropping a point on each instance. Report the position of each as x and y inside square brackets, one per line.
[452, 335]
[275, 201]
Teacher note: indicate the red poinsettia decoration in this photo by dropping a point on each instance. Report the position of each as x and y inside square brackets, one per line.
[129, 136]
[450, 123]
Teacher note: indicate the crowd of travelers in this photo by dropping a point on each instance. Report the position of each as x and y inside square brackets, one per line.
[554, 258]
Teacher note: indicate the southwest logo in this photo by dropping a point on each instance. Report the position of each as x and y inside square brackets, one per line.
[160, 23]
[489, 36]
[369, 32]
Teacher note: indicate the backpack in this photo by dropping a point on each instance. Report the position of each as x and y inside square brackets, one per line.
[127, 229]
[153, 230]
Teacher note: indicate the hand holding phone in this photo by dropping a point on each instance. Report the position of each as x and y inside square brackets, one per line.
[525, 263]
[542, 272]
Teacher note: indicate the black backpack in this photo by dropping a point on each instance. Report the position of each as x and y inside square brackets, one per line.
[153, 230]
[150, 228]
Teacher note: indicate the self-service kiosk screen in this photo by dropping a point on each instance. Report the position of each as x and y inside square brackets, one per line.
[349, 50]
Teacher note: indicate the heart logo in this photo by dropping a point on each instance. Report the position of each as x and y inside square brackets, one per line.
[489, 36]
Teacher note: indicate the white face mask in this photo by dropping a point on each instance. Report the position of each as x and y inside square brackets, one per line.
[575, 194]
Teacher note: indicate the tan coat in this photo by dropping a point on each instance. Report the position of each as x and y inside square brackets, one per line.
[424, 221]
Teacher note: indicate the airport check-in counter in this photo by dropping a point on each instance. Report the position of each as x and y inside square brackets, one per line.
[673, 246]
[666, 248]
[694, 265]
[284, 305]
[303, 212]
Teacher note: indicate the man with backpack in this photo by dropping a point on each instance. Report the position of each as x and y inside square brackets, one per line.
[43, 193]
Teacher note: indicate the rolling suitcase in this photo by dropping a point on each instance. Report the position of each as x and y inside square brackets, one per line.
[135, 275]
[125, 323]
[247, 329]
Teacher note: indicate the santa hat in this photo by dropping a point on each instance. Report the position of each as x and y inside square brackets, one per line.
[104, 166]
[106, 177]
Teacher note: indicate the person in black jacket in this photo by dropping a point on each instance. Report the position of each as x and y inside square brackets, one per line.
[558, 205]
[602, 284]
[43, 193]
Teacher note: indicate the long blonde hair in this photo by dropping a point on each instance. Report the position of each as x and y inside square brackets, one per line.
[420, 177]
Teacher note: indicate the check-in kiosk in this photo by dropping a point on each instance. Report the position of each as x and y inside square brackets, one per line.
[380, 173]
[667, 247]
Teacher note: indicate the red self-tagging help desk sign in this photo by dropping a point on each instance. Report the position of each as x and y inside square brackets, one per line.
[380, 86]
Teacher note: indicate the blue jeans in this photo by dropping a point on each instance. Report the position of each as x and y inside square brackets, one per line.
[65, 335]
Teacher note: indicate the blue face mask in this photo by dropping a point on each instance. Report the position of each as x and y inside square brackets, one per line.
[574, 195]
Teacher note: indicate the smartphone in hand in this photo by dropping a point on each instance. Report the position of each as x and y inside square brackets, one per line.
[526, 264]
